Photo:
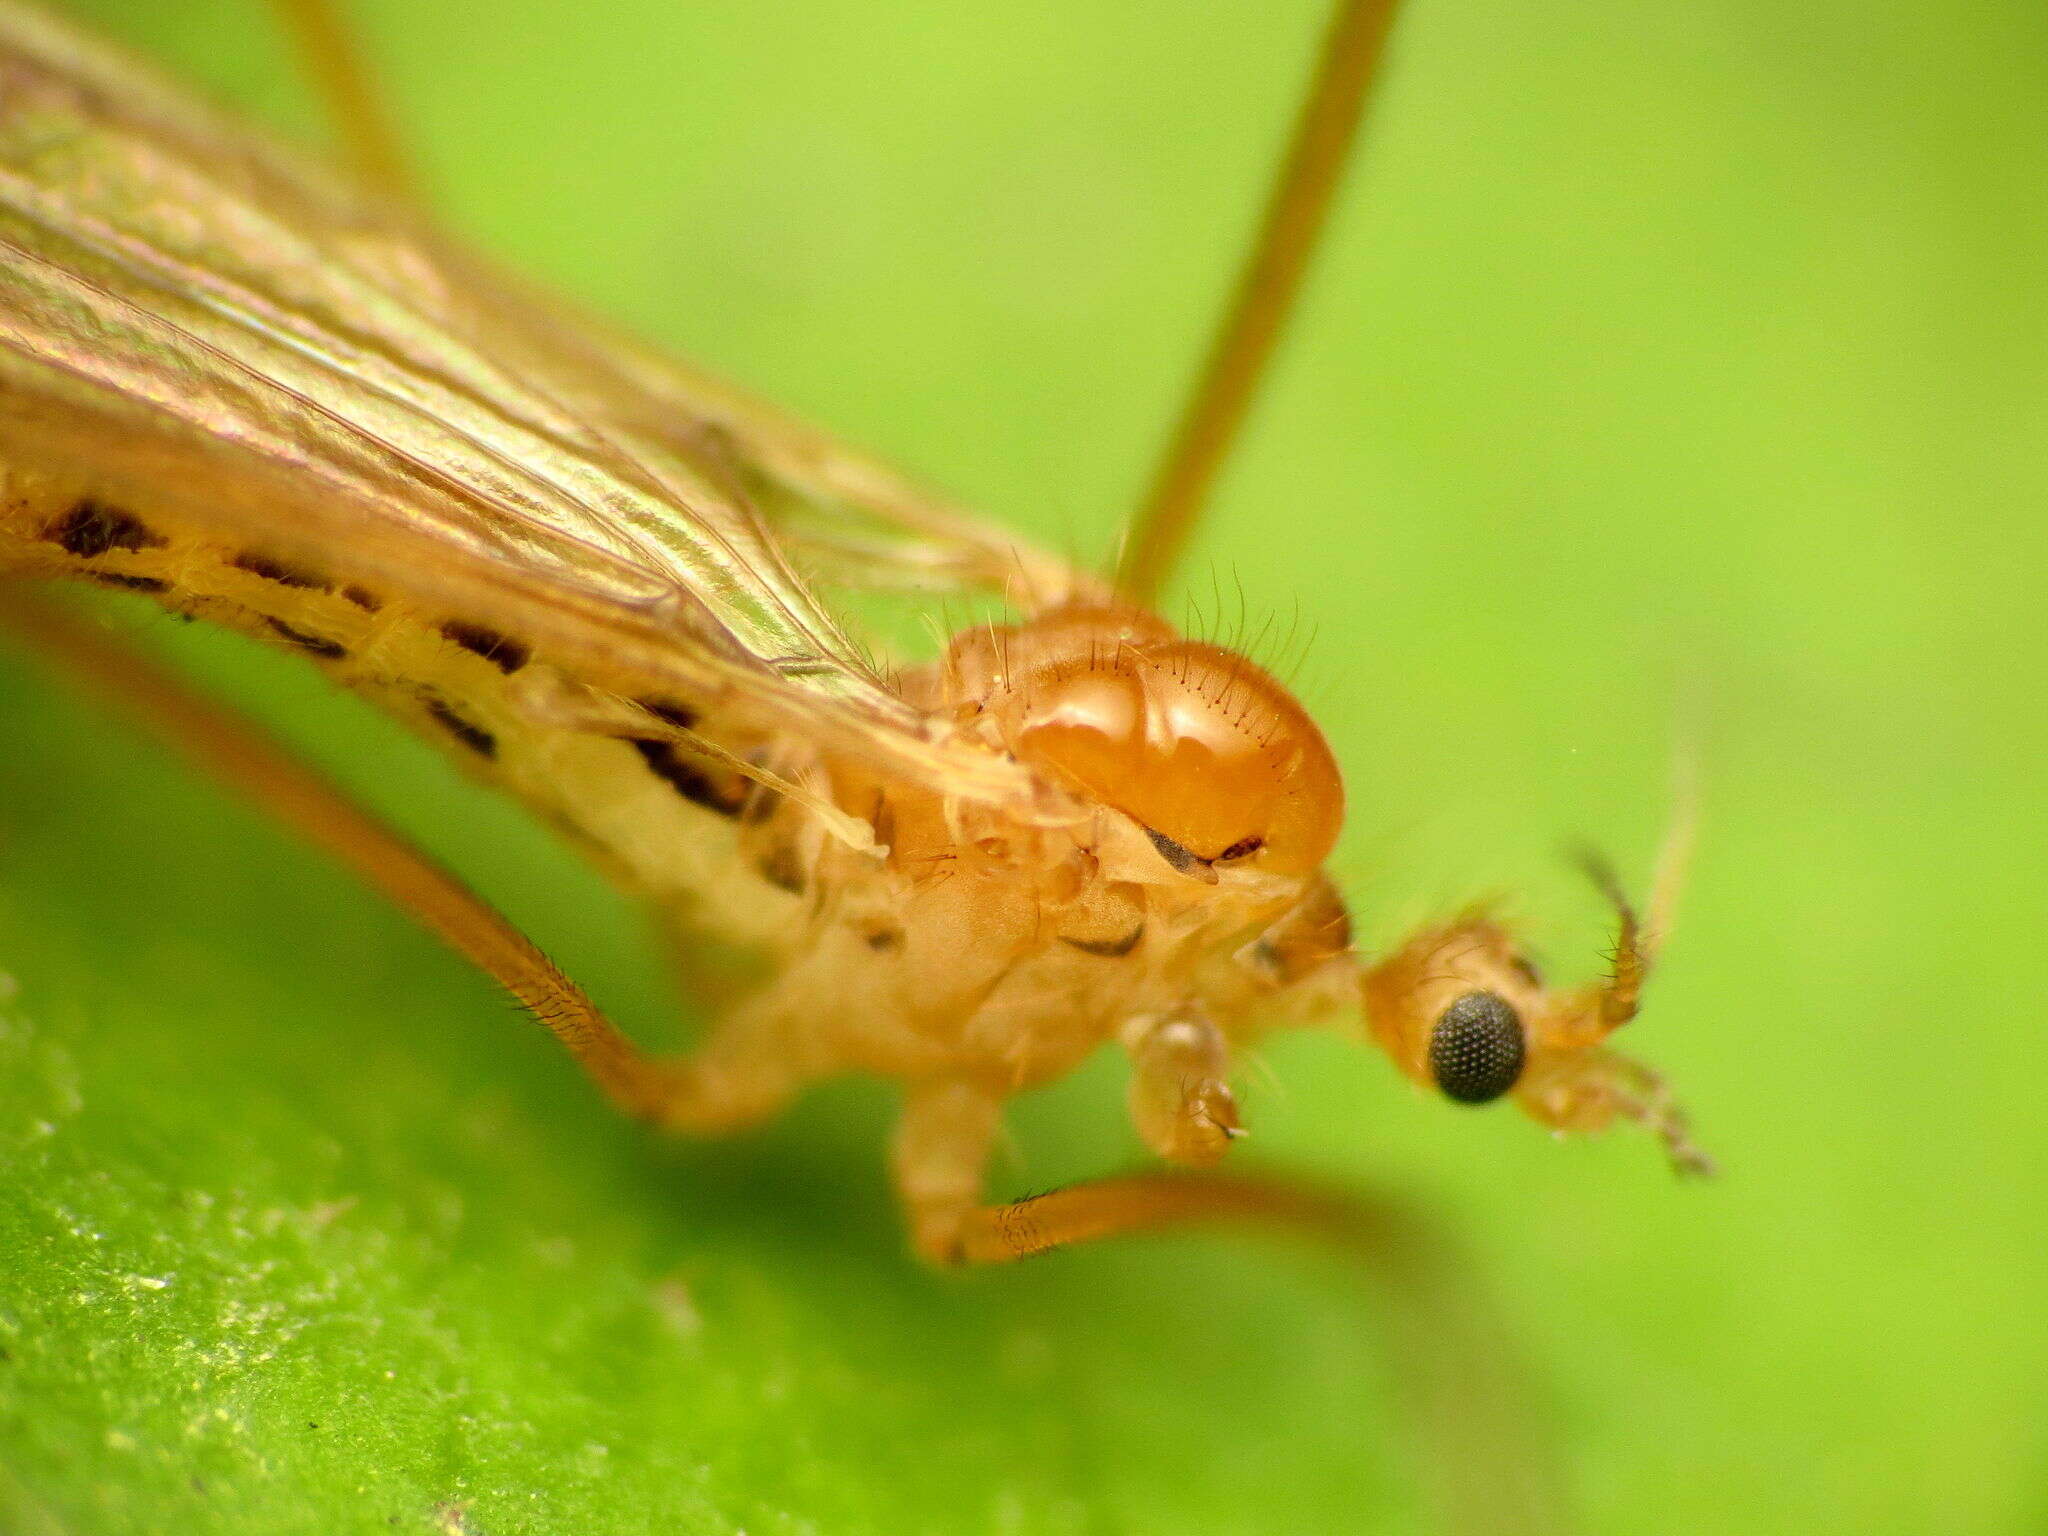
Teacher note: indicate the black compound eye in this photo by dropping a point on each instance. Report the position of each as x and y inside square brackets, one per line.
[1475, 1051]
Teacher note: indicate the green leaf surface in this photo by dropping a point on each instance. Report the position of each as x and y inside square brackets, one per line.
[1660, 353]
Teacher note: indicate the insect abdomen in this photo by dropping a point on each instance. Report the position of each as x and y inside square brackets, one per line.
[661, 821]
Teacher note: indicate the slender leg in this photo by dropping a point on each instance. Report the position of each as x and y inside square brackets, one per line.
[939, 1158]
[1179, 1098]
[246, 760]
[1144, 1202]
[745, 1073]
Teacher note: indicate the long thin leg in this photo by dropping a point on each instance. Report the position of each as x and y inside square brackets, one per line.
[242, 757]
[1266, 290]
[938, 1158]
[334, 61]
[746, 1072]
[1143, 1202]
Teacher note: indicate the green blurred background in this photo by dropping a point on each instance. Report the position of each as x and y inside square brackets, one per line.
[1660, 353]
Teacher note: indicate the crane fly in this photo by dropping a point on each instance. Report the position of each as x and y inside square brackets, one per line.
[269, 394]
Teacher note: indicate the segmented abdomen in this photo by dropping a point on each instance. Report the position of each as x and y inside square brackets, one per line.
[660, 820]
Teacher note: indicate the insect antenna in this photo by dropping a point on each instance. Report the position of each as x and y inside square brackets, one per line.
[1266, 290]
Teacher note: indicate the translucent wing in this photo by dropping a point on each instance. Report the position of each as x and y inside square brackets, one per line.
[193, 317]
[841, 508]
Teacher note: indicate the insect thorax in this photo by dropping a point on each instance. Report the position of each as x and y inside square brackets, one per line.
[1185, 879]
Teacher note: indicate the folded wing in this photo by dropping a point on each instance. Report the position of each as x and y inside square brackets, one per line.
[193, 316]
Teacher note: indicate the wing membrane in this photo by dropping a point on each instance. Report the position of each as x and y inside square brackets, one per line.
[189, 314]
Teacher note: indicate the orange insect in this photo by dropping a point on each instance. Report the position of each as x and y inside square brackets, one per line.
[269, 396]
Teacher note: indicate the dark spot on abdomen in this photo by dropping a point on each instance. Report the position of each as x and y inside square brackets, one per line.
[687, 779]
[501, 651]
[363, 598]
[466, 731]
[129, 583]
[90, 529]
[277, 571]
[312, 645]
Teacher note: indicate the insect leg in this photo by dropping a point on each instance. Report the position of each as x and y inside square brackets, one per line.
[745, 1073]
[938, 1158]
[332, 56]
[1179, 1099]
[248, 761]
[1149, 1202]
[712, 975]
